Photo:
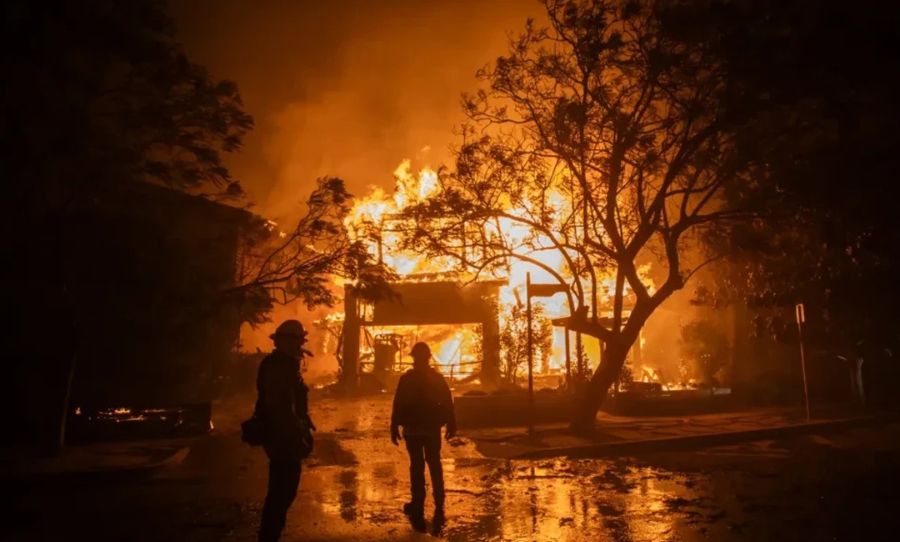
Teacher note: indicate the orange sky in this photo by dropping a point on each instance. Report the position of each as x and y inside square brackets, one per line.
[349, 88]
[346, 88]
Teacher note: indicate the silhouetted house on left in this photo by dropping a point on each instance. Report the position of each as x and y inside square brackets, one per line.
[132, 315]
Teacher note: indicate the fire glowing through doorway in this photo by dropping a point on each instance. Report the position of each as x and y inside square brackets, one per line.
[456, 348]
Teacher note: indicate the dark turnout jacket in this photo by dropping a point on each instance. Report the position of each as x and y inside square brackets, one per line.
[282, 403]
[423, 403]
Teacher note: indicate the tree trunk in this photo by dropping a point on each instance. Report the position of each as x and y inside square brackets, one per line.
[594, 394]
[615, 351]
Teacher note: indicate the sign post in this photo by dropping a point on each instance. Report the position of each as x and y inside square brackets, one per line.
[530, 359]
[801, 318]
[538, 290]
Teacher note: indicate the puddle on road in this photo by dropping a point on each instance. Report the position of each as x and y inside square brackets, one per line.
[580, 500]
[506, 500]
[356, 487]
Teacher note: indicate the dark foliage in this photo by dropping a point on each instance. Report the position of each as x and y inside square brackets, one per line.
[823, 75]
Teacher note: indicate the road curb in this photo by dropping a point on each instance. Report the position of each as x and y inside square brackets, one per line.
[101, 474]
[629, 447]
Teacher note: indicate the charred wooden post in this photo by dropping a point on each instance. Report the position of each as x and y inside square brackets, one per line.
[490, 348]
[350, 356]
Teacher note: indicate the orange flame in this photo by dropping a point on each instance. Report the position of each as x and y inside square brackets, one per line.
[370, 222]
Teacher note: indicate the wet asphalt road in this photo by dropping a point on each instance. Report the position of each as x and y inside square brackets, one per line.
[840, 487]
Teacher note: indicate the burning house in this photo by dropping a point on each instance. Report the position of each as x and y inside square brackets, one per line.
[475, 318]
[469, 319]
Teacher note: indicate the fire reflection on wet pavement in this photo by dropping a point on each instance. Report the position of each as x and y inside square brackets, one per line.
[507, 500]
[355, 488]
[354, 485]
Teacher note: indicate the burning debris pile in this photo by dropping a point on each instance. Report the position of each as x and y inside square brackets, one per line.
[87, 423]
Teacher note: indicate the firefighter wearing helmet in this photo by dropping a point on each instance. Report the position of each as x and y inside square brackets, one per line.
[283, 409]
[423, 404]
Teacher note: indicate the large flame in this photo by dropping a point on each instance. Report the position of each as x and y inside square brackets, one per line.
[373, 220]
[370, 221]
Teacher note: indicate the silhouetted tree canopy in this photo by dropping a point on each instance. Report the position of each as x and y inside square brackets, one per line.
[823, 74]
[610, 138]
[704, 349]
[98, 92]
[108, 133]
[300, 264]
